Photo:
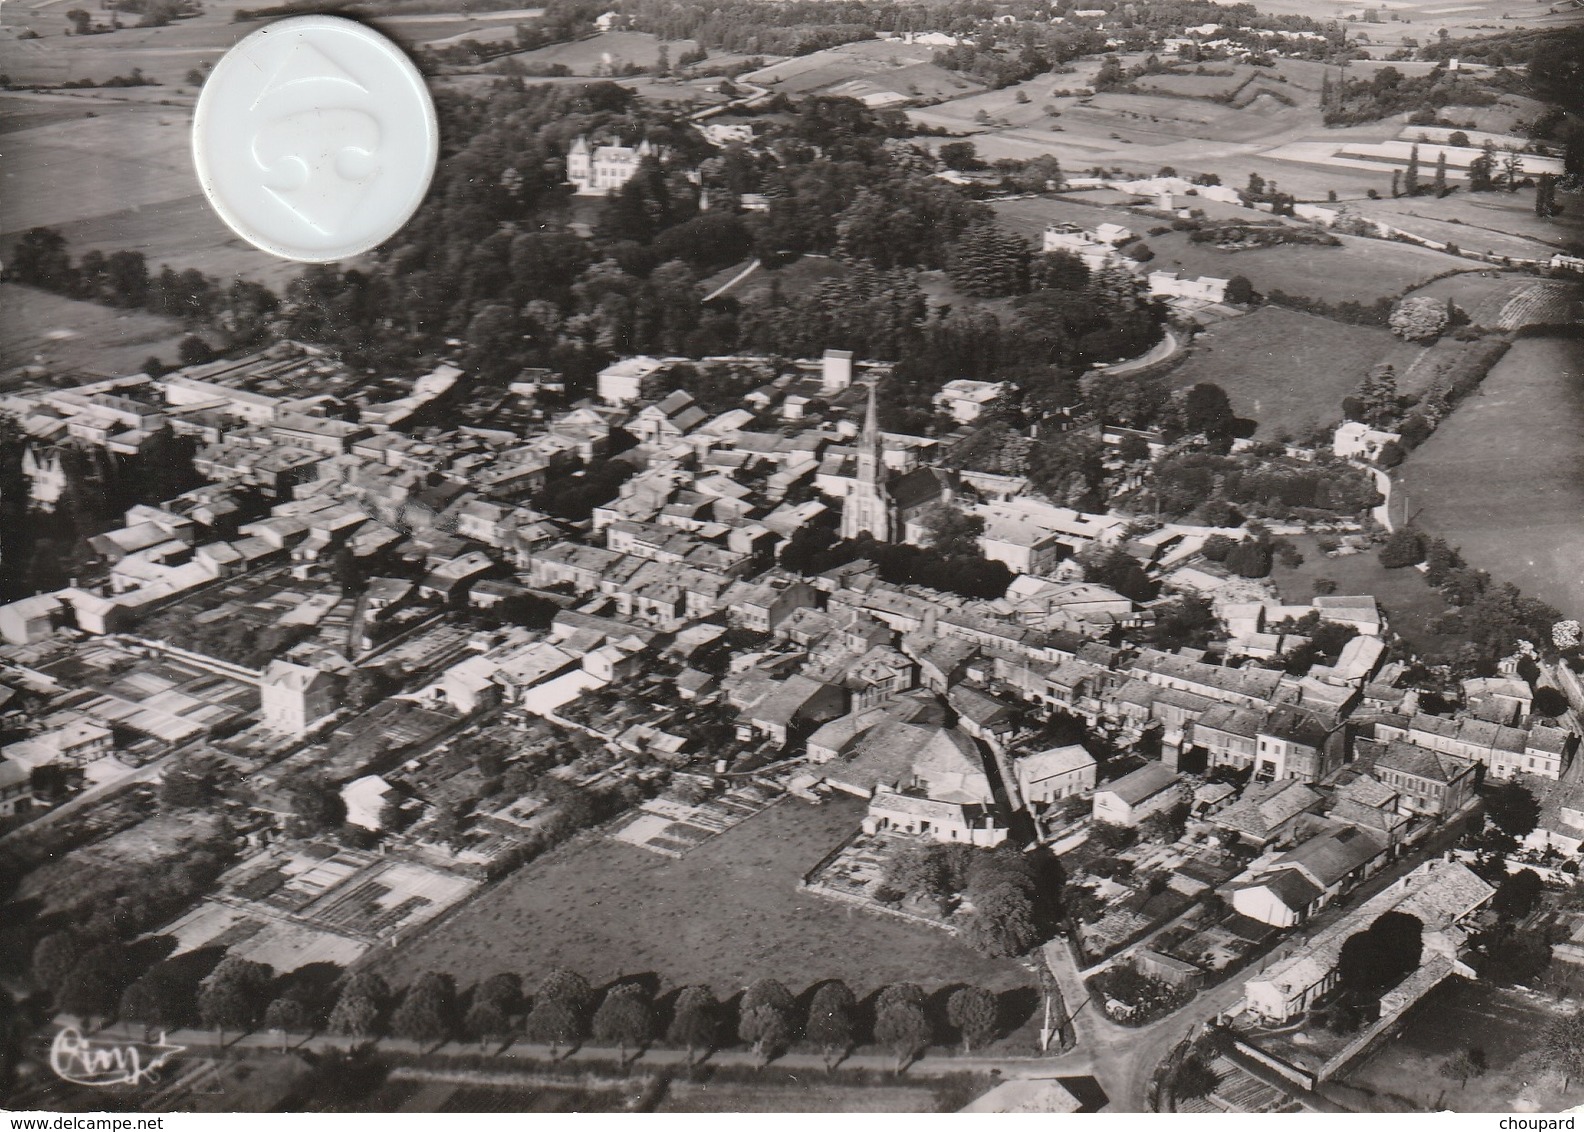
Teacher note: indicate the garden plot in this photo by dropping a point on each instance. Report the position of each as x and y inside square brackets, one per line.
[672, 828]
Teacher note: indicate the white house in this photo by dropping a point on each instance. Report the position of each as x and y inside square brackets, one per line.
[1170, 285]
[365, 800]
[1061, 772]
[965, 401]
[1152, 789]
[949, 822]
[621, 381]
[1355, 440]
[296, 698]
[597, 170]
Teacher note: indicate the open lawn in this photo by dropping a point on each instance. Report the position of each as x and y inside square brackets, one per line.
[66, 336]
[112, 156]
[1286, 370]
[726, 914]
[1503, 477]
[1409, 601]
[1404, 1072]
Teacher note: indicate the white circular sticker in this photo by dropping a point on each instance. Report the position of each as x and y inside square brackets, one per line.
[315, 138]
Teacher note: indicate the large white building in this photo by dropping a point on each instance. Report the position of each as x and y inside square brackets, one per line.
[296, 698]
[596, 170]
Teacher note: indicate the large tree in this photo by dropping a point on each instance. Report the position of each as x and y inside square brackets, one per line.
[235, 994]
[766, 1018]
[695, 1021]
[54, 956]
[830, 1024]
[1514, 809]
[428, 1010]
[92, 989]
[560, 1014]
[975, 1013]
[625, 1018]
[901, 1023]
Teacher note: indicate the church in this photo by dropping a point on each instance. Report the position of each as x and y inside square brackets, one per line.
[889, 512]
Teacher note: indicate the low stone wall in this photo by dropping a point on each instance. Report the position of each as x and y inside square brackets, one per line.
[1300, 1077]
[875, 906]
[1409, 992]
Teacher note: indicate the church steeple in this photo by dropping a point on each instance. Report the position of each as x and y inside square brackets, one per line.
[868, 506]
[871, 455]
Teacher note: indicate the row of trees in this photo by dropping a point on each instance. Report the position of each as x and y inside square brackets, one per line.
[563, 1011]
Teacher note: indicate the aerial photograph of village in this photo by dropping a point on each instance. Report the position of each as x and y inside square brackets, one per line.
[853, 556]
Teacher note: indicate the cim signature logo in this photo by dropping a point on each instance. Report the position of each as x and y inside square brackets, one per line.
[100, 1064]
[319, 157]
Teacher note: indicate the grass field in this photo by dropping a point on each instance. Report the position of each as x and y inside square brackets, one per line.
[1501, 476]
[37, 328]
[1410, 603]
[1459, 1013]
[726, 914]
[1284, 369]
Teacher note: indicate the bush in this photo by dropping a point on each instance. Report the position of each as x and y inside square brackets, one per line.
[1250, 559]
[1405, 547]
[1419, 319]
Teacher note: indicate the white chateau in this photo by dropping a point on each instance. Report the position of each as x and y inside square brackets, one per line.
[46, 478]
[596, 170]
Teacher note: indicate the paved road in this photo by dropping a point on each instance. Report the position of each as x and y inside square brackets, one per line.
[1123, 1058]
[514, 1054]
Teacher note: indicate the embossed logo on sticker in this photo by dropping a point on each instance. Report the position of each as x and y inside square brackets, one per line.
[315, 138]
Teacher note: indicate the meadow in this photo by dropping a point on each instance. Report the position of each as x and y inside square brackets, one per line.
[1410, 603]
[1360, 269]
[1501, 477]
[68, 336]
[132, 184]
[604, 53]
[1287, 370]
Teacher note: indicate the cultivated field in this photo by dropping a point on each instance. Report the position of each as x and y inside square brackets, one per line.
[727, 913]
[871, 67]
[1503, 223]
[1500, 477]
[1508, 300]
[166, 54]
[605, 53]
[1288, 371]
[1403, 1073]
[129, 166]
[37, 328]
